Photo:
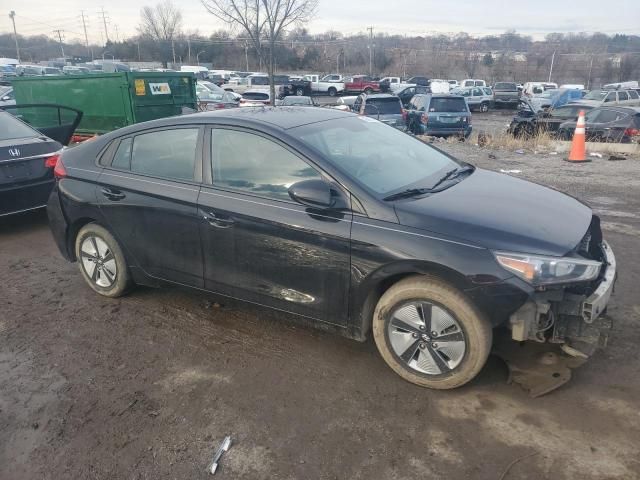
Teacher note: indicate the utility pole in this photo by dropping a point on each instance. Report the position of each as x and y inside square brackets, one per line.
[117, 33]
[189, 48]
[590, 69]
[104, 22]
[138, 43]
[370, 50]
[59, 32]
[553, 57]
[246, 55]
[12, 16]
[173, 51]
[86, 37]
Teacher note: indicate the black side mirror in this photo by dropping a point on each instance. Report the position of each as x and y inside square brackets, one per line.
[313, 193]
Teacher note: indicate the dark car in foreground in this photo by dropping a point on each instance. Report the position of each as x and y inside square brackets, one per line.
[528, 122]
[27, 159]
[607, 124]
[440, 115]
[350, 224]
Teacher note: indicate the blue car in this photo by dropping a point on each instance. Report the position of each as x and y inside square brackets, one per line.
[439, 115]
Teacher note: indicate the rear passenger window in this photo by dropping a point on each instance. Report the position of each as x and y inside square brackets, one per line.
[122, 158]
[167, 153]
[633, 95]
[623, 96]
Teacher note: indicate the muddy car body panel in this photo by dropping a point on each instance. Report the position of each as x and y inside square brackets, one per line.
[346, 232]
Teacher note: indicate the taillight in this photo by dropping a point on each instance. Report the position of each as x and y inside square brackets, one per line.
[404, 114]
[51, 162]
[59, 171]
[424, 118]
[632, 132]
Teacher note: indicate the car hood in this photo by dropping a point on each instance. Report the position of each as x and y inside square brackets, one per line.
[591, 103]
[500, 212]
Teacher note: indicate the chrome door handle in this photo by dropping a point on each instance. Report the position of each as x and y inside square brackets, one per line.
[217, 221]
[113, 194]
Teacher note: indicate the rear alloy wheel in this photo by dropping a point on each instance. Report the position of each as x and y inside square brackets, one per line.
[332, 91]
[484, 107]
[101, 261]
[430, 334]
[299, 91]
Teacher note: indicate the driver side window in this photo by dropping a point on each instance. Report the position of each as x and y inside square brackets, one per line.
[254, 164]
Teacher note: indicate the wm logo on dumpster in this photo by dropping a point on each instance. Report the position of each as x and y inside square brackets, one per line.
[159, 88]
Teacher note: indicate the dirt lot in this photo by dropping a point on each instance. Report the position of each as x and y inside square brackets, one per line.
[147, 386]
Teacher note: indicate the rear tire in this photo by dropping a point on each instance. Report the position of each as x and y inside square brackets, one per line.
[430, 333]
[332, 91]
[101, 261]
[484, 107]
[299, 91]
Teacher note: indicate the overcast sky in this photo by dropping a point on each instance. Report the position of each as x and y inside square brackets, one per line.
[412, 17]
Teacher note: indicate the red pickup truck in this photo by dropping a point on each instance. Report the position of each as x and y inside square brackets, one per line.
[363, 83]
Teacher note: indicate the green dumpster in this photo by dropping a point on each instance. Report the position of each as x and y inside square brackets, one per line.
[112, 100]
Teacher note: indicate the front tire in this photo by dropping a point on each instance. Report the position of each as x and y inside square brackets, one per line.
[484, 107]
[299, 91]
[368, 91]
[430, 334]
[101, 261]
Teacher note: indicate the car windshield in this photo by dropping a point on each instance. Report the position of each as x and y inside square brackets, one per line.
[297, 101]
[595, 95]
[505, 86]
[256, 96]
[448, 104]
[12, 128]
[381, 158]
[383, 106]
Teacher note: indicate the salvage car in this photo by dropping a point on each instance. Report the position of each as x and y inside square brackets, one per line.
[27, 159]
[406, 94]
[343, 221]
[382, 106]
[439, 115]
[611, 124]
[478, 98]
[529, 121]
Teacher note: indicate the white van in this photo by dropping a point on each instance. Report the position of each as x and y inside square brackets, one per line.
[621, 85]
[536, 88]
[473, 82]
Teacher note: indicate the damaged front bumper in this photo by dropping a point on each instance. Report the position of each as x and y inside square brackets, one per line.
[575, 324]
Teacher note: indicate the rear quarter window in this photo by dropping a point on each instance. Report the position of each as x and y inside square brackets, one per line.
[441, 104]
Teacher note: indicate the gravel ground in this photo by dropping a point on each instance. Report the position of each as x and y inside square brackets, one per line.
[146, 386]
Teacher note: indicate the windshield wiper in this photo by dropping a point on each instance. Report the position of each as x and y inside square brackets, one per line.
[451, 174]
[410, 192]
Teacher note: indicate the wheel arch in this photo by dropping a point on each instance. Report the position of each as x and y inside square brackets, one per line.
[379, 281]
[72, 233]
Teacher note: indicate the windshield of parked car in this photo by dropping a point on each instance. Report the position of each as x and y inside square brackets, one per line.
[383, 106]
[596, 95]
[379, 157]
[448, 104]
[11, 128]
[505, 86]
[256, 96]
[297, 101]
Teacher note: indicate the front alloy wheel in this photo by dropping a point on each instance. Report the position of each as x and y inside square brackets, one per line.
[426, 337]
[430, 333]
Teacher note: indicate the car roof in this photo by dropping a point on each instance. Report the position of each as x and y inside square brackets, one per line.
[279, 117]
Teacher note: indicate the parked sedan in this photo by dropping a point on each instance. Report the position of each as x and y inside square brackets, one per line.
[343, 221]
[529, 122]
[27, 159]
[607, 124]
[255, 97]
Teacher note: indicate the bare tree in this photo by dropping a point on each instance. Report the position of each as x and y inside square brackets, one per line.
[162, 24]
[263, 20]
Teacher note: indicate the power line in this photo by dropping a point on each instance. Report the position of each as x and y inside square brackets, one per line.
[59, 32]
[104, 21]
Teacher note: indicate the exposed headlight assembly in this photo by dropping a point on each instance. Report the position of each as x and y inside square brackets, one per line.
[539, 270]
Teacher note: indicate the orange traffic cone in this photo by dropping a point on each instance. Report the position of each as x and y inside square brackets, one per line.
[578, 151]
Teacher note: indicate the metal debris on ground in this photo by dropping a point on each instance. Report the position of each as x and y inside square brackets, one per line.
[553, 153]
[595, 154]
[520, 151]
[224, 446]
[510, 171]
[614, 157]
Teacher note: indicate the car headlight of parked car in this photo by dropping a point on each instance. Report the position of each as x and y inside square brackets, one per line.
[540, 270]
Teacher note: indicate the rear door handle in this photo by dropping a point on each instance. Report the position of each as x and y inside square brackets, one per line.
[111, 194]
[218, 221]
